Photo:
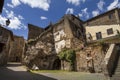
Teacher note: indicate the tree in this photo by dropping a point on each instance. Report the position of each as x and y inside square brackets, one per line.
[69, 56]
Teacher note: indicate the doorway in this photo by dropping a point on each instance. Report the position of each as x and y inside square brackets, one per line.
[57, 64]
[1, 47]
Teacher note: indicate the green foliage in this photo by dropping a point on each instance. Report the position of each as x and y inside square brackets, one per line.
[67, 55]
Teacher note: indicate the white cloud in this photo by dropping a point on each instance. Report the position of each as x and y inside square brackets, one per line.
[10, 14]
[75, 2]
[2, 20]
[95, 13]
[15, 2]
[100, 5]
[10, 5]
[119, 4]
[70, 11]
[43, 18]
[41, 4]
[15, 20]
[20, 17]
[15, 23]
[113, 5]
[85, 13]
[80, 15]
[83, 1]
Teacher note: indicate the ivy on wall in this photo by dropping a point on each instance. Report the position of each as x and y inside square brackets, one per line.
[68, 55]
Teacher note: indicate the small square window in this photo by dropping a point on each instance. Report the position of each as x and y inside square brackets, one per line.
[110, 16]
[110, 31]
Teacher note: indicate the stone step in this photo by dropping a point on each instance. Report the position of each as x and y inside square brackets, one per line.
[116, 75]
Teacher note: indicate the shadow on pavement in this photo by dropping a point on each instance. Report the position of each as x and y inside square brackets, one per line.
[7, 74]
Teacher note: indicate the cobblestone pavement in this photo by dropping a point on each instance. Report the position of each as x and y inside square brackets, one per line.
[15, 71]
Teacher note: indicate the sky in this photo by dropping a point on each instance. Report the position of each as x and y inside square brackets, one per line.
[42, 12]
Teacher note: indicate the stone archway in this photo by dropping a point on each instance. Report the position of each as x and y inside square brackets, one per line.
[57, 64]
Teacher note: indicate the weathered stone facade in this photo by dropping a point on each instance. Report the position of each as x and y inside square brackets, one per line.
[37, 31]
[103, 26]
[17, 49]
[62, 36]
[97, 52]
[108, 18]
[70, 33]
[6, 37]
[66, 31]
[41, 52]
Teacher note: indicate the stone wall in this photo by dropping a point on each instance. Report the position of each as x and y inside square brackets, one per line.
[6, 37]
[107, 18]
[61, 35]
[34, 31]
[69, 31]
[42, 53]
[97, 53]
[17, 49]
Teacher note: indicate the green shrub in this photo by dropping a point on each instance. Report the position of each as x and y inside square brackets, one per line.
[68, 55]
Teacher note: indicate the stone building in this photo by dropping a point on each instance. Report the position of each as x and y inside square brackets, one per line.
[103, 26]
[6, 37]
[17, 49]
[37, 31]
[66, 33]
[1, 5]
[72, 33]
[41, 50]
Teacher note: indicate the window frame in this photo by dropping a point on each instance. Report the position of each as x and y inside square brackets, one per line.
[98, 35]
[110, 16]
[110, 31]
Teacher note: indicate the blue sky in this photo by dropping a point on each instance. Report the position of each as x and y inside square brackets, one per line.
[42, 12]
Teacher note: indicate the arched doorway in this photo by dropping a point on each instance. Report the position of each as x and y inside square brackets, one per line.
[1, 47]
[57, 64]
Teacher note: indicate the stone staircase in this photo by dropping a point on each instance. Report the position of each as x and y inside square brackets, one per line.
[116, 75]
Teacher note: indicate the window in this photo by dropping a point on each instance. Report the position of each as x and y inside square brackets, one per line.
[110, 31]
[56, 46]
[98, 35]
[0, 33]
[110, 16]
